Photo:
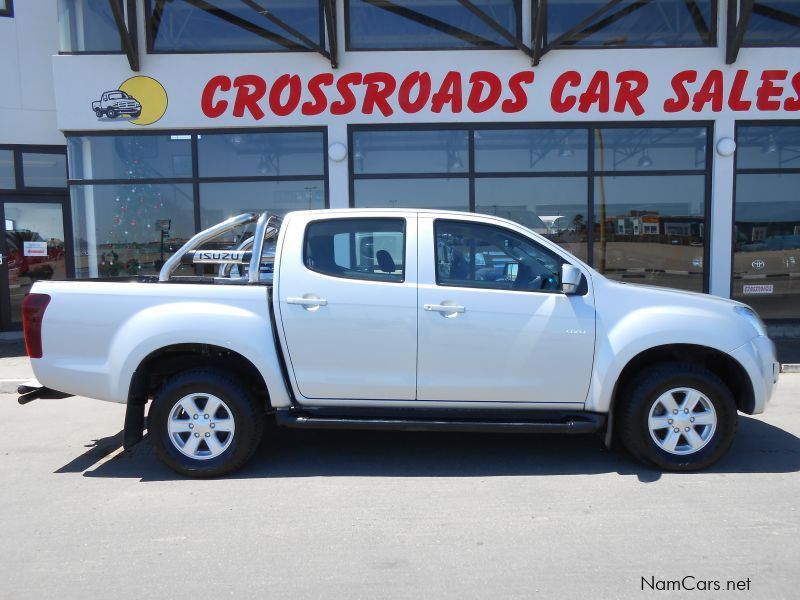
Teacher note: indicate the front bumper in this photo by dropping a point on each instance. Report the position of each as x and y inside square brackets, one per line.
[758, 358]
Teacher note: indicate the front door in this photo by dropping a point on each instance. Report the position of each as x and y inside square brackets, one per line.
[493, 323]
[35, 247]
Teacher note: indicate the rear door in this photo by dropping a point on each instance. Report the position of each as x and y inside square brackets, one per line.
[493, 323]
[347, 299]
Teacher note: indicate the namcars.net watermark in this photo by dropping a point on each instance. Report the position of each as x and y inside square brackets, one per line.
[690, 583]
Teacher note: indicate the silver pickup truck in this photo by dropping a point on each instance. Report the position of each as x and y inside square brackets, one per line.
[397, 319]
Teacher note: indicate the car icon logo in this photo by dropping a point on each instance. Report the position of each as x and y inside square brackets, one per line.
[759, 264]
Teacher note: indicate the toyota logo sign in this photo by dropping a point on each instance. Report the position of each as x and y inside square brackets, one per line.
[759, 264]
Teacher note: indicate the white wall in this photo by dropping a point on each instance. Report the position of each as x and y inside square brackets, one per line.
[27, 100]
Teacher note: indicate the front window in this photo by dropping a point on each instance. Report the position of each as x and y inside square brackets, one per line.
[485, 256]
[630, 23]
[429, 24]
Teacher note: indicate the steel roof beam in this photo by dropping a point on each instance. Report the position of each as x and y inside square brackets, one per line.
[127, 38]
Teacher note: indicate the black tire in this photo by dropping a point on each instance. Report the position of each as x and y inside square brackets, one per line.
[247, 414]
[637, 399]
[98, 112]
[136, 114]
[111, 113]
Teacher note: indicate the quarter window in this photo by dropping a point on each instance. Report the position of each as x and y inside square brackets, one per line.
[484, 256]
[370, 249]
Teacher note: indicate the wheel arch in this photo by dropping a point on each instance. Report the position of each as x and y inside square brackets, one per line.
[723, 365]
[159, 365]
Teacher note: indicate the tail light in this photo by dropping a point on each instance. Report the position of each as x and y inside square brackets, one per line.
[33, 308]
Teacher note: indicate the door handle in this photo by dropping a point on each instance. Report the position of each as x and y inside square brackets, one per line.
[307, 301]
[444, 308]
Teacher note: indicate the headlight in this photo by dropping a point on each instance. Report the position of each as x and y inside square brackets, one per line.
[749, 314]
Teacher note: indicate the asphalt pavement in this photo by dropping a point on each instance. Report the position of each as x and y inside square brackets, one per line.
[341, 514]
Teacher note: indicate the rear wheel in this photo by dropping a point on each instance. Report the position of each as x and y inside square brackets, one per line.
[678, 417]
[203, 423]
[98, 113]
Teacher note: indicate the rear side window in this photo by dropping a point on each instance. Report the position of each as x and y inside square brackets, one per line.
[370, 249]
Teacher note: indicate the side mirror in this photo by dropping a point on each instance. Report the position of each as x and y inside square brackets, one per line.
[570, 278]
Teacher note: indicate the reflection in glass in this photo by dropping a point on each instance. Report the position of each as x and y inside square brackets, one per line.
[447, 194]
[429, 24]
[410, 152]
[773, 23]
[127, 230]
[650, 149]
[766, 261]
[231, 25]
[34, 248]
[44, 170]
[88, 26]
[651, 230]
[130, 157]
[552, 206]
[530, 150]
[632, 23]
[219, 201]
[7, 179]
[768, 147]
[256, 154]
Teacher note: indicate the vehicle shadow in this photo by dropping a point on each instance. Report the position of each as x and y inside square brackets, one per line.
[759, 448]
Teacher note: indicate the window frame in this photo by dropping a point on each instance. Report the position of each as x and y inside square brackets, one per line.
[8, 11]
[746, 44]
[590, 173]
[19, 177]
[754, 171]
[131, 21]
[150, 39]
[547, 45]
[308, 226]
[349, 48]
[508, 232]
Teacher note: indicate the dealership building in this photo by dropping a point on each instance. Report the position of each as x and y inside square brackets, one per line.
[658, 140]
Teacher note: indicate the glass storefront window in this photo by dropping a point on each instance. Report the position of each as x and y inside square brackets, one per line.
[428, 24]
[88, 26]
[552, 206]
[7, 178]
[530, 150]
[768, 147]
[6, 8]
[129, 229]
[773, 23]
[631, 23]
[130, 157]
[766, 252]
[410, 151]
[44, 170]
[219, 201]
[651, 229]
[437, 193]
[231, 25]
[650, 149]
[274, 154]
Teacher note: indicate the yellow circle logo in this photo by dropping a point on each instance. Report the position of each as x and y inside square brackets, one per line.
[150, 94]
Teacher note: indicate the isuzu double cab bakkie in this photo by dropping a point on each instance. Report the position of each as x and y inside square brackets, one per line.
[397, 319]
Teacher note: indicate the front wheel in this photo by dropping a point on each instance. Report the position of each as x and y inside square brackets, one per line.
[678, 417]
[111, 113]
[203, 423]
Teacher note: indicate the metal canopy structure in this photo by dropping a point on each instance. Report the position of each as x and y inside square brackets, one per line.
[295, 40]
[739, 15]
[127, 31]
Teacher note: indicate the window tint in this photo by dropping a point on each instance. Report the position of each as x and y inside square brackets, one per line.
[371, 249]
[477, 255]
[7, 177]
[773, 23]
[88, 26]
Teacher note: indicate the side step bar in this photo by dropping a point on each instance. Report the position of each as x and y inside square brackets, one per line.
[567, 423]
